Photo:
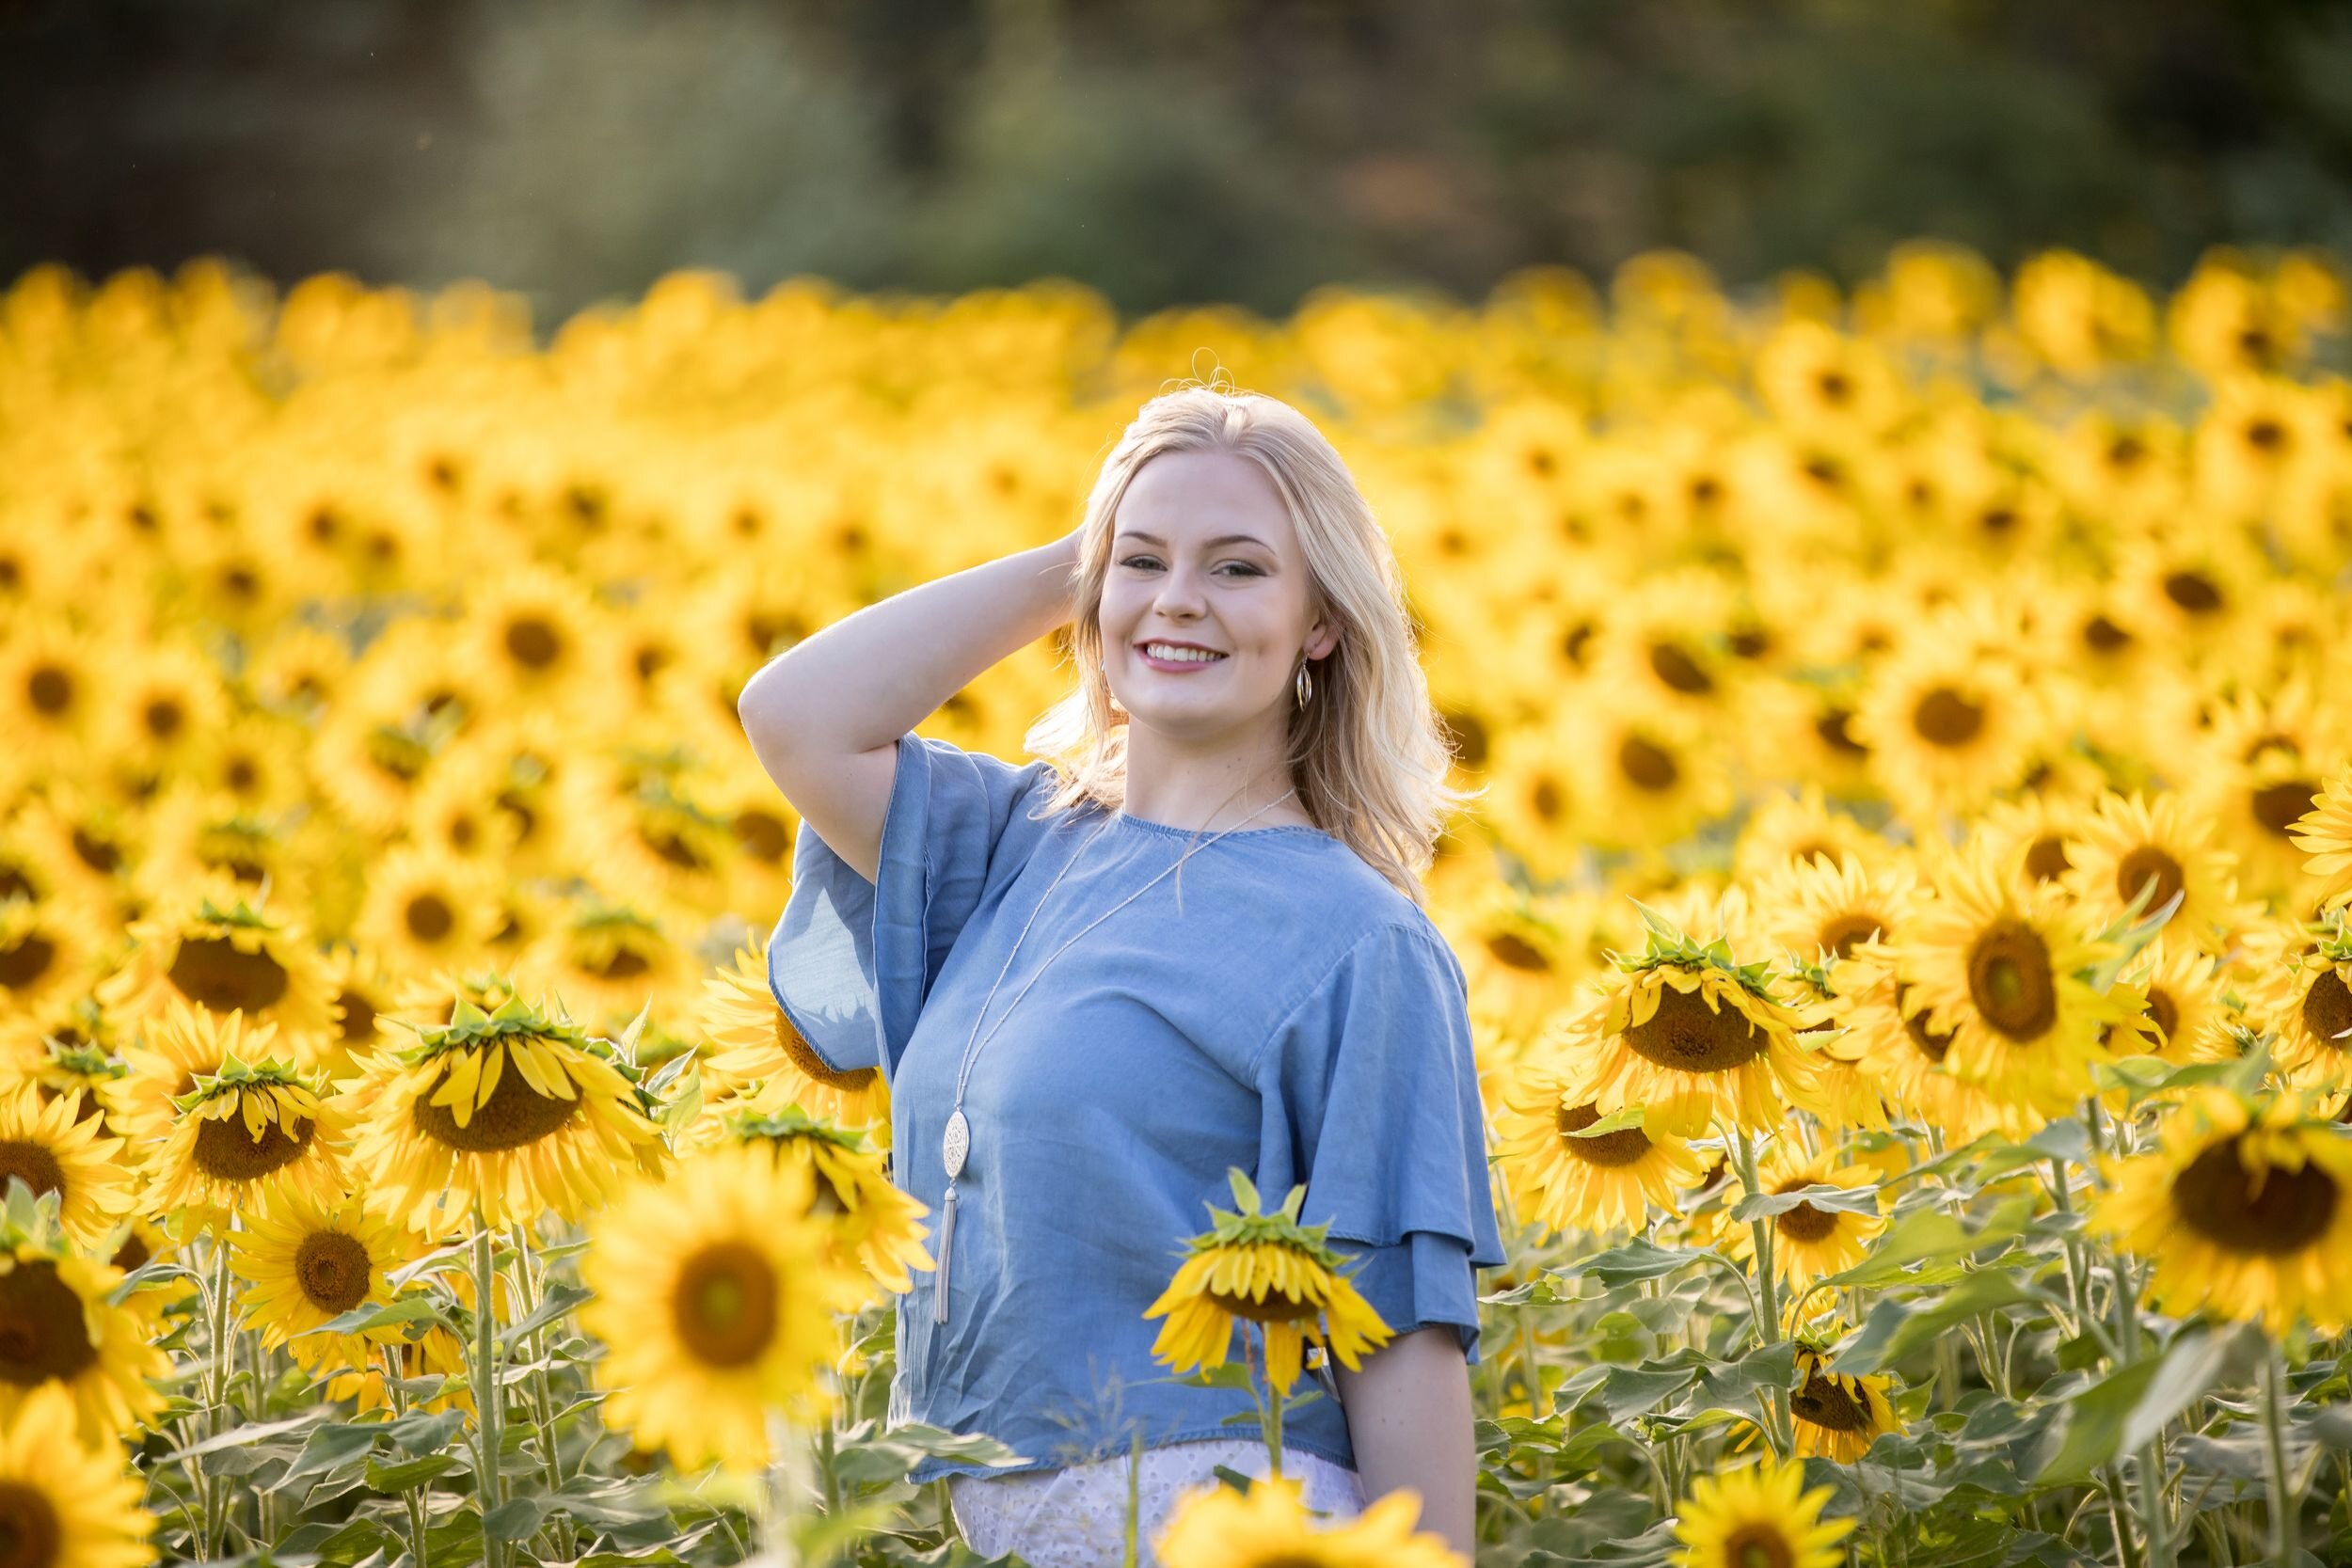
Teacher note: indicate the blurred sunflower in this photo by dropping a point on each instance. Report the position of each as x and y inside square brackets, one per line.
[2243, 1209]
[307, 1260]
[233, 959]
[2175, 1007]
[1808, 1242]
[1521, 952]
[1691, 1036]
[161, 710]
[876, 1226]
[2302, 990]
[1788, 828]
[1887, 1026]
[1269, 1270]
[426, 907]
[752, 1042]
[43, 1145]
[1213, 1525]
[1531, 772]
[2128, 843]
[2325, 833]
[541, 637]
[1563, 1175]
[1760, 1518]
[2002, 968]
[1648, 776]
[511, 1113]
[54, 682]
[65, 1501]
[1837, 1417]
[57, 1329]
[605, 959]
[1946, 728]
[1816, 910]
[714, 1296]
[47, 956]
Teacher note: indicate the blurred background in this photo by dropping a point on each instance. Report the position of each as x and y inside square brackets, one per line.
[1181, 151]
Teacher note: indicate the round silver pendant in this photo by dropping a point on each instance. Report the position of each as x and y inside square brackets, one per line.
[954, 1144]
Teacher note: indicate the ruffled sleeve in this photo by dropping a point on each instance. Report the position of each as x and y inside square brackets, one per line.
[849, 962]
[1370, 1095]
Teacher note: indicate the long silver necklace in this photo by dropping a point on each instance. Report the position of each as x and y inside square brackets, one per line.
[955, 1140]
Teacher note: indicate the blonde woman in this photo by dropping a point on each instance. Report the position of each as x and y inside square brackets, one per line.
[1189, 937]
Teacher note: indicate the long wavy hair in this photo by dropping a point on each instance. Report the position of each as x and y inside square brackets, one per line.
[1369, 756]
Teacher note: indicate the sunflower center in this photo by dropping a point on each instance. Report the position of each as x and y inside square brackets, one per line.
[43, 1333]
[1648, 766]
[2102, 636]
[1832, 727]
[625, 964]
[27, 962]
[359, 1018]
[1513, 951]
[1624, 1146]
[1757, 1545]
[1688, 1035]
[1546, 799]
[133, 1254]
[1945, 718]
[2046, 861]
[2278, 806]
[761, 835]
[96, 854]
[1823, 1402]
[211, 972]
[802, 1057]
[225, 1151]
[723, 1306]
[2193, 592]
[1842, 932]
[50, 690]
[2327, 1009]
[533, 643]
[2142, 864]
[30, 1536]
[515, 1114]
[1803, 1222]
[35, 1166]
[2275, 1212]
[1276, 1308]
[1678, 669]
[333, 1269]
[2164, 1013]
[2010, 981]
[428, 917]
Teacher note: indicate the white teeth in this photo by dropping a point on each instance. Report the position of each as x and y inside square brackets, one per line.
[1185, 655]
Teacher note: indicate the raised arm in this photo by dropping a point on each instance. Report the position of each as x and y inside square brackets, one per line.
[825, 715]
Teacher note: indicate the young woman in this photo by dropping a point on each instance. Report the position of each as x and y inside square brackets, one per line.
[1191, 940]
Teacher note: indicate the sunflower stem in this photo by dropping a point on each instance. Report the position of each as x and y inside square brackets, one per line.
[1767, 1301]
[223, 1357]
[531, 1282]
[485, 1390]
[410, 1498]
[1273, 1406]
[2283, 1505]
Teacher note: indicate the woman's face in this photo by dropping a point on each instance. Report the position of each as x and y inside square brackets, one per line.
[1204, 553]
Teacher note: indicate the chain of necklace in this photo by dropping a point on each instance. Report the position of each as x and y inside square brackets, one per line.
[955, 1139]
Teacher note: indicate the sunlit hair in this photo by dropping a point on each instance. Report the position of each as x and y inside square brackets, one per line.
[1368, 753]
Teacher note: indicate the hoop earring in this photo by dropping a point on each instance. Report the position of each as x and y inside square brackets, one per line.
[1303, 686]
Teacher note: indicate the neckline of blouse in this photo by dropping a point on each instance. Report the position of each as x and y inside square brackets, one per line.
[1206, 834]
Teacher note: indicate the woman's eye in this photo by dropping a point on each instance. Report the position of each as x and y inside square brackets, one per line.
[1241, 566]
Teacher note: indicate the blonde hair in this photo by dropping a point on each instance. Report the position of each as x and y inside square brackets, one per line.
[1368, 753]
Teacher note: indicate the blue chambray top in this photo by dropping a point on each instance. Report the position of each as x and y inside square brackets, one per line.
[1285, 1010]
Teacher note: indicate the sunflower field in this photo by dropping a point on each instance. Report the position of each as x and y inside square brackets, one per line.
[1909, 915]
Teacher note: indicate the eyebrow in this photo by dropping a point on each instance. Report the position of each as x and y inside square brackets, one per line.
[1220, 539]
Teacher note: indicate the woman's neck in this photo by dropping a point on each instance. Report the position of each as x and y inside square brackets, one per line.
[1209, 793]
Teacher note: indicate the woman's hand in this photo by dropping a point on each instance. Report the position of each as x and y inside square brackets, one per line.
[1409, 1416]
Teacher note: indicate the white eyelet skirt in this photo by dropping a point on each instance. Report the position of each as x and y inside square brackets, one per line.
[1076, 1517]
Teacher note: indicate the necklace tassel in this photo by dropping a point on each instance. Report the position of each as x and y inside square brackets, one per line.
[946, 1241]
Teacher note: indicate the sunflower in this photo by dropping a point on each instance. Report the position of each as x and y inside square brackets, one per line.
[1947, 726]
[510, 1112]
[1519, 953]
[1888, 1027]
[2001, 968]
[714, 1296]
[253, 1128]
[204, 840]
[1819, 911]
[1809, 1242]
[425, 907]
[44, 1146]
[1837, 1417]
[2128, 843]
[1689, 1036]
[233, 959]
[2176, 1008]
[605, 959]
[2302, 989]
[1788, 828]
[360, 993]
[1271, 1271]
[2265, 758]
[753, 1042]
[65, 1502]
[2325, 833]
[436, 1353]
[876, 1226]
[163, 707]
[1531, 772]
[1648, 775]
[1760, 1518]
[1213, 1525]
[58, 1328]
[53, 685]
[2245, 1208]
[307, 1260]
[541, 637]
[65, 1065]
[2037, 831]
[1563, 1175]
[47, 956]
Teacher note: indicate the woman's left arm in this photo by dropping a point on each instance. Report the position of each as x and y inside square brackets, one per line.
[1409, 1416]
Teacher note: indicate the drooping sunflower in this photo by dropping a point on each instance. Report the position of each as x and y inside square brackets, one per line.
[65, 1502]
[2302, 989]
[43, 1144]
[510, 1112]
[604, 959]
[233, 959]
[2325, 833]
[714, 1296]
[1521, 954]
[1837, 1417]
[1808, 1242]
[256, 1126]
[1564, 1175]
[1691, 1035]
[875, 1225]
[57, 1328]
[2245, 1208]
[307, 1261]
[752, 1042]
[2128, 842]
[1213, 1525]
[2002, 969]
[1269, 1270]
[1757, 1516]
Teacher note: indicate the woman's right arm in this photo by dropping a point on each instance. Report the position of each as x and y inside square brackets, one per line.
[825, 715]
